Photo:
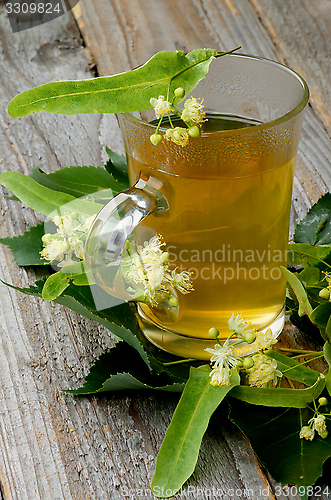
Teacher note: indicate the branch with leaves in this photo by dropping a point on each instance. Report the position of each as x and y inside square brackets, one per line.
[250, 385]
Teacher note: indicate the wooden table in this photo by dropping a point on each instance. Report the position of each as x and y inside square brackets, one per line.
[55, 446]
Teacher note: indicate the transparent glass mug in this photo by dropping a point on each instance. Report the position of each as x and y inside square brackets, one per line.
[221, 204]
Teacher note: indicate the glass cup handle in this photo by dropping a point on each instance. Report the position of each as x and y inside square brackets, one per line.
[113, 225]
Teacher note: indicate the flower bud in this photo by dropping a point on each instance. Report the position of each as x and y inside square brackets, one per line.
[173, 301]
[165, 257]
[213, 333]
[74, 215]
[324, 434]
[249, 337]
[324, 293]
[322, 401]
[57, 220]
[156, 139]
[248, 363]
[194, 131]
[46, 238]
[179, 92]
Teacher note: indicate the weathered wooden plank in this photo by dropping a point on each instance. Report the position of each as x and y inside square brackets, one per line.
[301, 33]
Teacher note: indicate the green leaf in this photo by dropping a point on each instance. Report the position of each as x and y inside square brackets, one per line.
[293, 398]
[274, 436]
[117, 166]
[298, 372]
[58, 282]
[179, 451]
[320, 316]
[315, 227]
[130, 91]
[327, 355]
[307, 255]
[300, 292]
[310, 276]
[78, 181]
[27, 247]
[122, 368]
[55, 286]
[43, 199]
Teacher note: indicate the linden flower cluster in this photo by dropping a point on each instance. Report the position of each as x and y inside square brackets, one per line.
[261, 369]
[192, 115]
[149, 267]
[68, 241]
[316, 424]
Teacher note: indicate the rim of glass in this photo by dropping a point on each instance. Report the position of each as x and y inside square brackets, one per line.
[247, 130]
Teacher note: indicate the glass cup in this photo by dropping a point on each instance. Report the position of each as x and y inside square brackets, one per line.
[221, 204]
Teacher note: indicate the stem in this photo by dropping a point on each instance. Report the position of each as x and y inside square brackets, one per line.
[158, 125]
[180, 361]
[304, 355]
[303, 363]
[229, 52]
[302, 351]
[290, 383]
[171, 124]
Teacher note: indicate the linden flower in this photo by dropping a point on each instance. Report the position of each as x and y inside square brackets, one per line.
[307, 433]
[87, 223]
[161, 106]
[181, 281]
[149, 268]
[263, 372]
[177, 135]
[68, 242]
[238, 324]
[193, 113]
[55, 250]
[66, 225]
[319, 424]
[264, 340]
[220, 376]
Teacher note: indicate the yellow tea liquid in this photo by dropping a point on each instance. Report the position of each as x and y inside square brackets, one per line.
[230, 232]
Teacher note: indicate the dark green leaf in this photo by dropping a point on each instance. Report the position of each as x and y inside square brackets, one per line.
[122, 368]
[274, 436]
[180, 448]
[34, 290]
[42, 199]
[119, 319]
[78, 181]
[117, 166]
[26, 248]
[130, 91]
[315, 228]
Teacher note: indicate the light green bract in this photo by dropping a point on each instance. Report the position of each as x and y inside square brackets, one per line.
[124, 92]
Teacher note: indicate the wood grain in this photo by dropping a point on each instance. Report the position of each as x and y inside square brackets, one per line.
[52, 445]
